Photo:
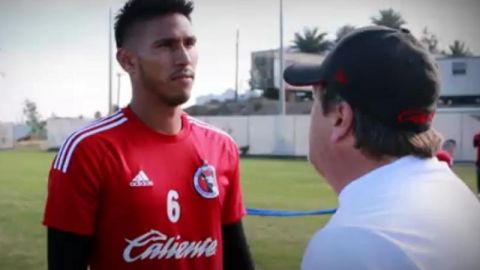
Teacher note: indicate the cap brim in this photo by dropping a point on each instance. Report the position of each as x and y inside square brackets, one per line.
[303, 74]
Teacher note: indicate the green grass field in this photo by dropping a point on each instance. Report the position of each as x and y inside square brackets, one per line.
[276, 243]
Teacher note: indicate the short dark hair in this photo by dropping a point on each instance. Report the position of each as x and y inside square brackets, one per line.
[449, 144]
[377, 140]
[135, 11]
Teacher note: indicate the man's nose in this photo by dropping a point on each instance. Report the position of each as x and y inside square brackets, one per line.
[183, 56]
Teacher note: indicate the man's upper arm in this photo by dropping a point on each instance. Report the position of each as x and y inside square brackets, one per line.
[68, 250]
[233, 208]
[235, 248]
[347, 248]
[73, 188]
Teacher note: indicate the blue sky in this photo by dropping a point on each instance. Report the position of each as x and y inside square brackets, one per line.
[55, 52]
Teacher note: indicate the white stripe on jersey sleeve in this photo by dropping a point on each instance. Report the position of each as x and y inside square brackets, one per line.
[61, 153]
[83, 136]
[209, 127]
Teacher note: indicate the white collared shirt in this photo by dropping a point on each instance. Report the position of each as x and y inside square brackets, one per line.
[410, 214]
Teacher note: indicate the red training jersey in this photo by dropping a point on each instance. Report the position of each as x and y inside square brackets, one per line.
[476, 143]
[444, 156]
[151, 201]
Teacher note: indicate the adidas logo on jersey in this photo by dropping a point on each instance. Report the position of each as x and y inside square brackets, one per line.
[141, 180]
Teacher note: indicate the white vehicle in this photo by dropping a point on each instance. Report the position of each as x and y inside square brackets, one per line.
[460, 78]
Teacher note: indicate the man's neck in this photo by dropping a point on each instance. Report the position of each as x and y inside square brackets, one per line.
[358, 166]
[158, 117]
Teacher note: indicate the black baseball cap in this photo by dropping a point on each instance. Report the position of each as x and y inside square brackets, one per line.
[383, 72]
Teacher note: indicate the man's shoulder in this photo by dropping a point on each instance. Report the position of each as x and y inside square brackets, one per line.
[344, 237]
[349, 247]
[209, 131]
[89, 141]
[95, 130]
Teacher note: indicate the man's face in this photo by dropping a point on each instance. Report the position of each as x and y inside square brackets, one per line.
[319, 139]
[166, 57]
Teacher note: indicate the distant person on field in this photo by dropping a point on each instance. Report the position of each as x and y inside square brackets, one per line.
[447, 152]
[371, 138]
[476, 144]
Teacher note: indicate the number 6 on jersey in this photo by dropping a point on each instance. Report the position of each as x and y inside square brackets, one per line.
[173, 207]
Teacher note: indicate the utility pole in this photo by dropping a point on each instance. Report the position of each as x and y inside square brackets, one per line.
[236, 66]
[2, 74]
[119, 75]
[281, 87]
[110, 61]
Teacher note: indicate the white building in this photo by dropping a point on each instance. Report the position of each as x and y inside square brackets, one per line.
[460, 79]
[58, 129]
[265, 71]
[7, 138]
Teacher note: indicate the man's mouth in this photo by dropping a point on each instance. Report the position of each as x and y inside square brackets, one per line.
[185, 74]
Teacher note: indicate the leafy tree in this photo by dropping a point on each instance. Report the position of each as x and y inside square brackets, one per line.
[37, 126]
[459, 48]
[343, 31]
[97, 115]
[261, 75]
[389, 18]
[430, 41]
[311, 41]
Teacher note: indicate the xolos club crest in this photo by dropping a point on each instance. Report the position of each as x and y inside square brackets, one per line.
[205, 181]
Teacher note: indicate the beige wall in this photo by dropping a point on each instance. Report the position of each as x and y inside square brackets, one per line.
[288, 135]
[7, 137]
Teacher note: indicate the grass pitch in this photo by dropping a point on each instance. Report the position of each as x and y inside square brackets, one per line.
[276, 242]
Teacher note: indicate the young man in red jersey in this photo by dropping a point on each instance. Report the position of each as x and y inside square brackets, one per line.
[476, 144]
[447, 152]
[148, 187]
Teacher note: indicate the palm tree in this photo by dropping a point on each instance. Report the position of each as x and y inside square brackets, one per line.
[430, 41]
[311, 41]
[458, 48]
[343, 31]
[389, 18]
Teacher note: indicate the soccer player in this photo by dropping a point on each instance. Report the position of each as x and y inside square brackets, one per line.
[371, 138]
[148, 187]
[476, 144]
[447, 152]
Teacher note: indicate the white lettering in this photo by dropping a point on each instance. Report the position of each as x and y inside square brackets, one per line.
[155, 245]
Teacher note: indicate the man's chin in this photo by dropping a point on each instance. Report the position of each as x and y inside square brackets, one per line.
[177, 100]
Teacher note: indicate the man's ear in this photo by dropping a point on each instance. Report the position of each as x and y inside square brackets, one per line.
[127, 60]
[342, 121]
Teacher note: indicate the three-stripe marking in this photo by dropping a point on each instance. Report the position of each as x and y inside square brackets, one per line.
[65, 154]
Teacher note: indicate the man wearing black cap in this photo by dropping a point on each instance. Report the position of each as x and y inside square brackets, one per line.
[371, 138]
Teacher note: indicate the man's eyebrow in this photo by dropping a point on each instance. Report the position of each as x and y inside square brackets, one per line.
[192, 37]
[172, 40]
[166, 40]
